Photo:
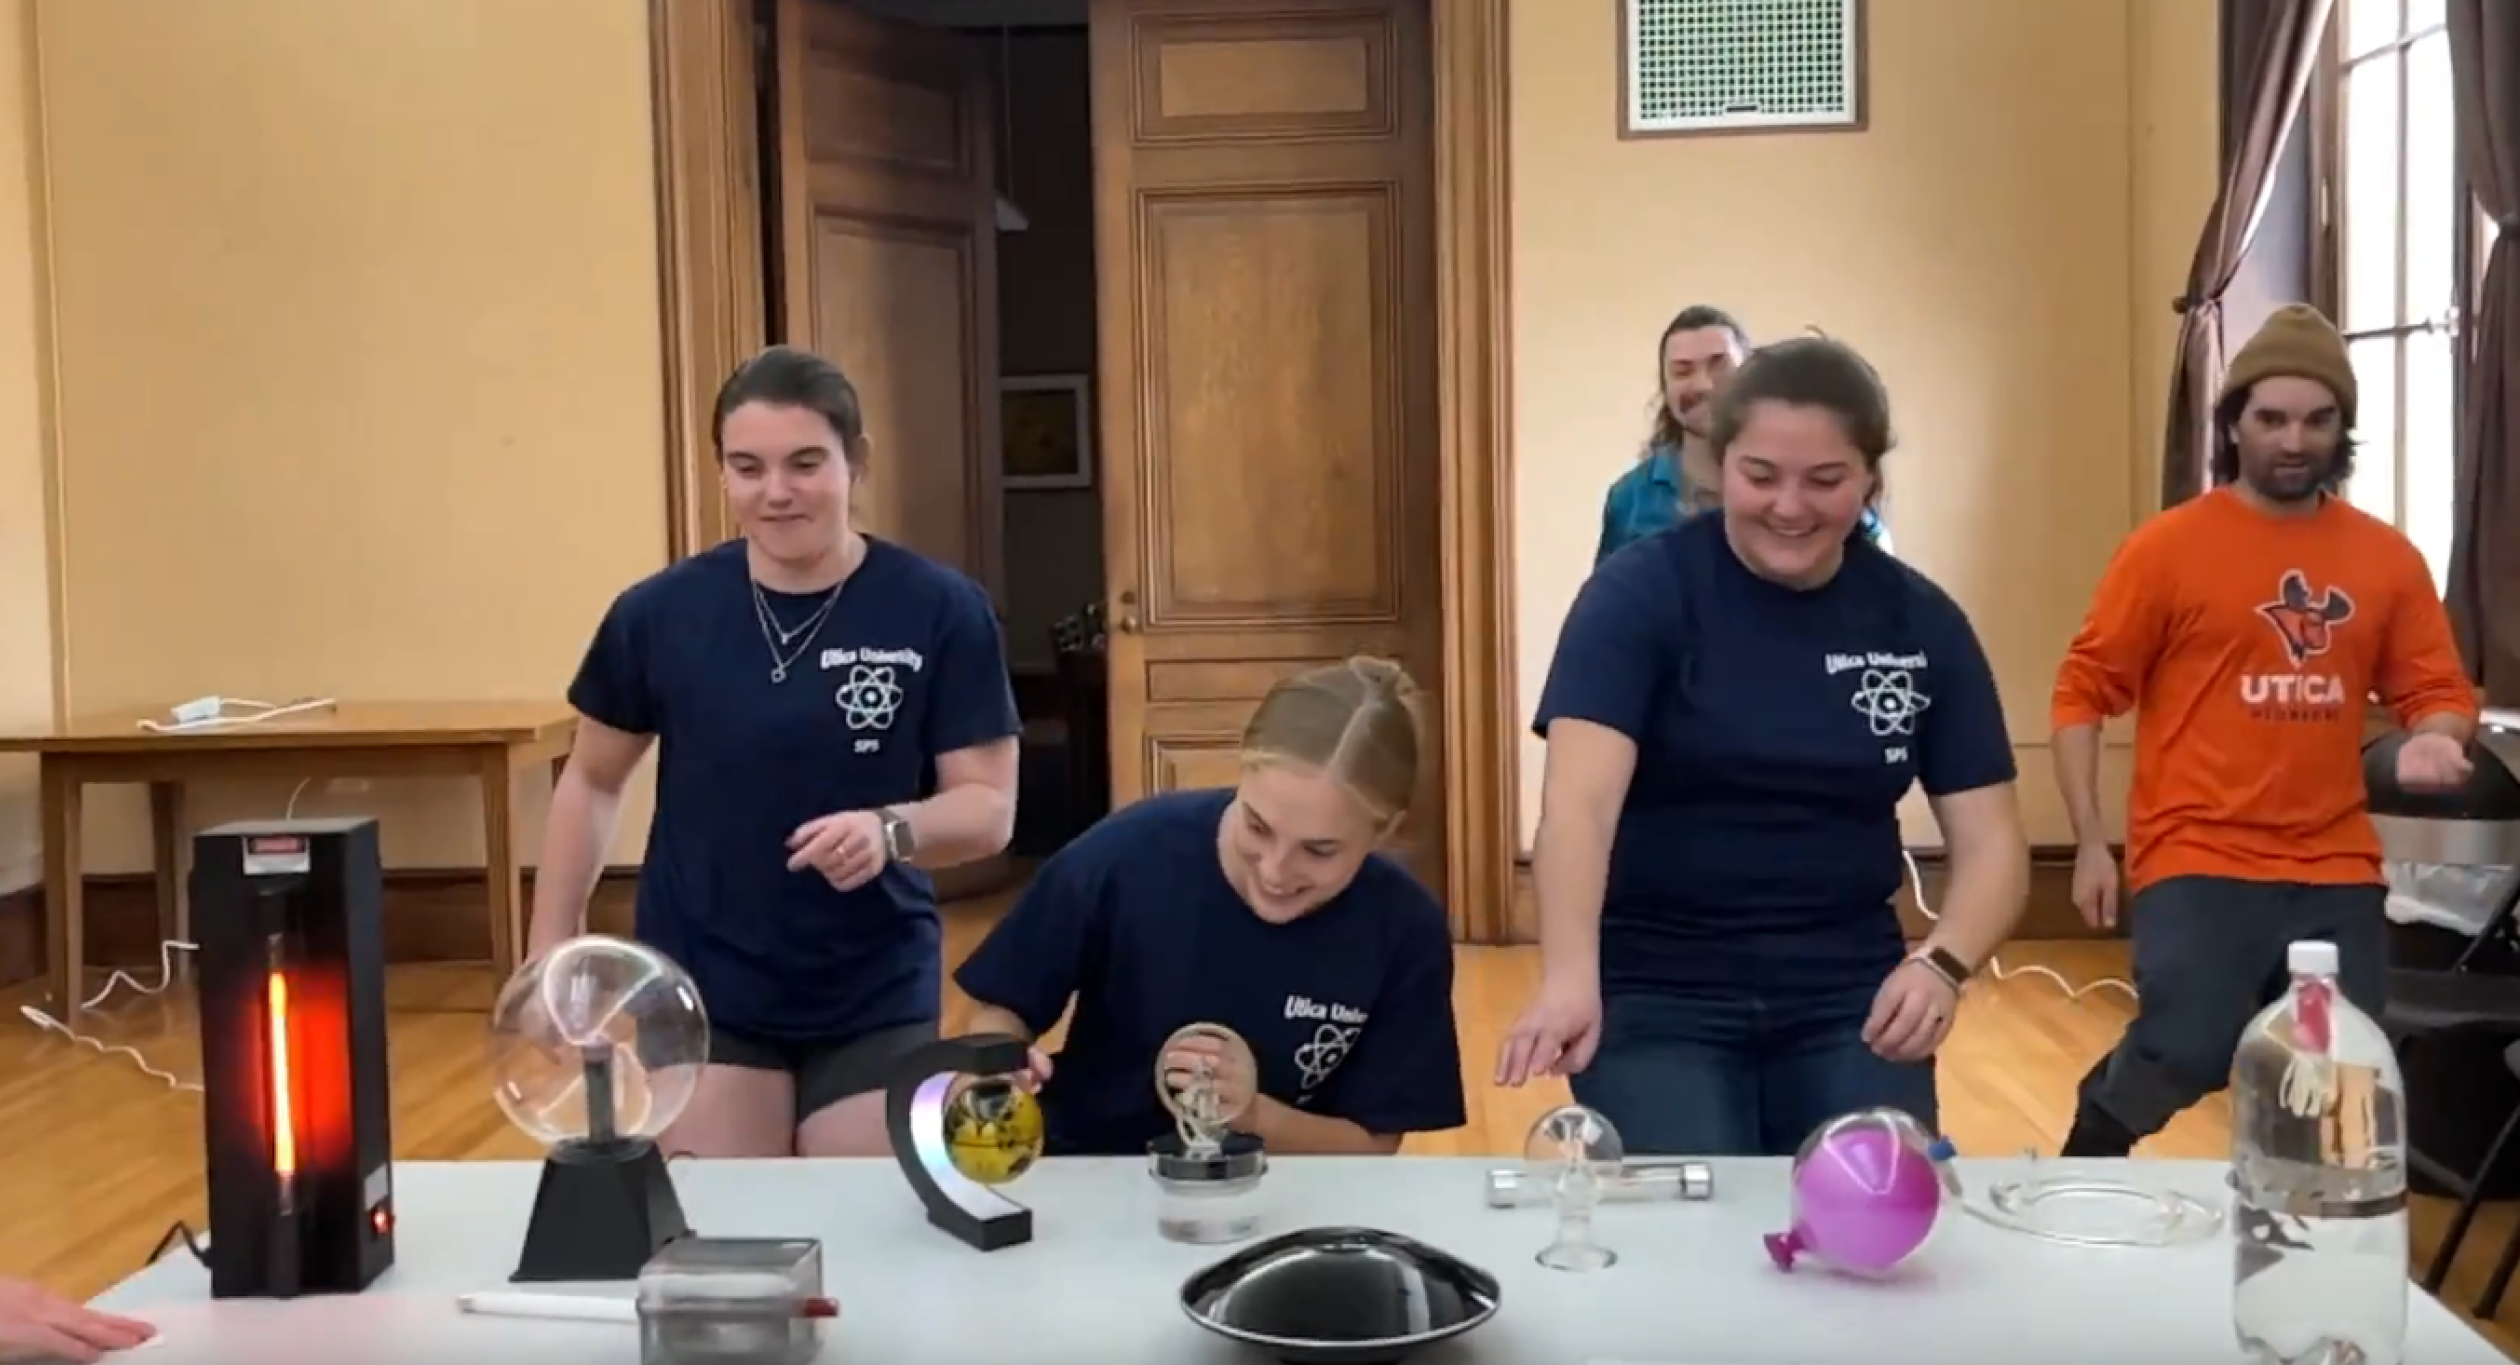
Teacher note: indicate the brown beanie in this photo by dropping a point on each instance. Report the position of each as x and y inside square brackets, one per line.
[2297, 342]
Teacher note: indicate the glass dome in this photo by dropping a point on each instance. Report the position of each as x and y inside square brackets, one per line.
[598, 1039]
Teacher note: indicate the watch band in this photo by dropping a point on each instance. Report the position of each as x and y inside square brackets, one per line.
[1944, 963]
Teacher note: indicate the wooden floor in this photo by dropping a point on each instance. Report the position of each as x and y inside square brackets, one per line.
[101, 1158]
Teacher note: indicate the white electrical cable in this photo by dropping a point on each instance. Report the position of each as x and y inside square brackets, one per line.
[120, 978]
[214, 713]
[1995, 968]
[166, 977]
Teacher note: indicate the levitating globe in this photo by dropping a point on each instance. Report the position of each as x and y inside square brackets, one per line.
[598, 1039]
[993, 1130]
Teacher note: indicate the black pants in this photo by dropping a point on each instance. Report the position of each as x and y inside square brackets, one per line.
[824, 1072]
[2209, 954]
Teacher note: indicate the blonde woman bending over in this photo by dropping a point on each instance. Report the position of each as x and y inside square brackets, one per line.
[1267, 909]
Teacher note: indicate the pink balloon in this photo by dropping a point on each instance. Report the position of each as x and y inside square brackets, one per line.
[1864, 1200]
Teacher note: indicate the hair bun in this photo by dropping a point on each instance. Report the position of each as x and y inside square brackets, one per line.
[1386, 676]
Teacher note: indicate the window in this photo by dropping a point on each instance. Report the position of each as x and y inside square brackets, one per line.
[2404, 257]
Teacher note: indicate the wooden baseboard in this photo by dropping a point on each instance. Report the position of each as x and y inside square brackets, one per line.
[431, 915]
[2050, 914]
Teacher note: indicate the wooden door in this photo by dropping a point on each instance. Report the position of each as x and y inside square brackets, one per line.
[887, 265]
[888, 261]
[1264, 221]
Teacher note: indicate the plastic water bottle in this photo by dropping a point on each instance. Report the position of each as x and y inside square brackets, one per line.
[2318, 1170]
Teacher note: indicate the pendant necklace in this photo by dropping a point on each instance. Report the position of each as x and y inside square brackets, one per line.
[778, 637]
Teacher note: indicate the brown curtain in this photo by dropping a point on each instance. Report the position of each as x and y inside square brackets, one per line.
[2485, 543]
[2281, 38]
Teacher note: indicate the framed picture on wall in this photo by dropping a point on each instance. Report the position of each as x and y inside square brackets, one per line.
[1046, 424]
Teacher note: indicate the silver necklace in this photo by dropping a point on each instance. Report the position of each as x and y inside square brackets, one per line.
[778, 637]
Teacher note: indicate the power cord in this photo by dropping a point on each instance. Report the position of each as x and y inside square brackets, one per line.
[228, 713]
[180, 1235]
[1995, 967]
[120, 979]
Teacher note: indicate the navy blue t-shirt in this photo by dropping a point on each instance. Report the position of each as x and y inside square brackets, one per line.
[1348, 1010]
[907, 666]
[1776, 731]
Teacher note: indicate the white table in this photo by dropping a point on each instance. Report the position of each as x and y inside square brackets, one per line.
[1693, 1285]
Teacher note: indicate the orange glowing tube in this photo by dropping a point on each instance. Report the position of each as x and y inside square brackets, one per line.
[284, 1154]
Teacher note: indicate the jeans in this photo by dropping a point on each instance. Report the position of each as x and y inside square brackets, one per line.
[2209, 954]
[1707, 1073]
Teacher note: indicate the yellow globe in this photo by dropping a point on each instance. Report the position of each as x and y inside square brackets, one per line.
[993, 1130]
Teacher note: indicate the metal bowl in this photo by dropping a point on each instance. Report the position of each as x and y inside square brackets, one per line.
[1340, 1296]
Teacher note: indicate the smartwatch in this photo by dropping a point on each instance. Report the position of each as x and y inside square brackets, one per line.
[1946, 964]
[901, 842]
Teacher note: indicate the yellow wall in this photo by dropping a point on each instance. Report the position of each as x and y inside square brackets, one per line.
[359, 375]
[355, 368]
[26, 652]
[2003, 243]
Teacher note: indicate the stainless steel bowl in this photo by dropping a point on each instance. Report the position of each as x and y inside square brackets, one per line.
[1340, 1296]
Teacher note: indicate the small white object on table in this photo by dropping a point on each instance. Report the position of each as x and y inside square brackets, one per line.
[1693, 1285]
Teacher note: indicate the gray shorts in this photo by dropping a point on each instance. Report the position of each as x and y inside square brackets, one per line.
[2209, 954]
[824, 1072]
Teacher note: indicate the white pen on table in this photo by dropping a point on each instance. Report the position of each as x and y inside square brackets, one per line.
[590, 1308]
[550, 1307]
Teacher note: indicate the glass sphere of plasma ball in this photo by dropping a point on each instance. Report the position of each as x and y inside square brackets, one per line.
[1574, 1153]
[1193, 1094]
[603, 1006]
[993, 1130]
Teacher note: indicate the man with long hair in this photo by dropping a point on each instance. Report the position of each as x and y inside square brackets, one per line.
[1675, 477]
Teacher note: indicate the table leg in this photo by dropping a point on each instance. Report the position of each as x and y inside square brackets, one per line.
[166, 837]
[65, 911]
[499, 866]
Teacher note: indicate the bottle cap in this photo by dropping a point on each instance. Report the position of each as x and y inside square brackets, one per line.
[2312, 957]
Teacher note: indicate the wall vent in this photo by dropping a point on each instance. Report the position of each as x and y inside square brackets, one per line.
[1741, 66]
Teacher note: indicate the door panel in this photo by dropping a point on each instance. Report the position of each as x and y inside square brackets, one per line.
[888, 267]
[1264, 220]
[888, 232]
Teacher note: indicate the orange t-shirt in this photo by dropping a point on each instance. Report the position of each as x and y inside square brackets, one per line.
[2248, 646]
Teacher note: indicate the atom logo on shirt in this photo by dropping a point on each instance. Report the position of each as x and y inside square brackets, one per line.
[1890, 701]
[870, 698]
[2305, 621]
[1320, 1057]
[1335, 1027]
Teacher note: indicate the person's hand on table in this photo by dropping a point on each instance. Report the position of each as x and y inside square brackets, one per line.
[38, 1325]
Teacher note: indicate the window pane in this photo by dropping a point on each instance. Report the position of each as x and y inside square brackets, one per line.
[2374, 486]
[2431, 445]
[2372, 201]
[2425, 14]
[2432, 206]
[2368, 24]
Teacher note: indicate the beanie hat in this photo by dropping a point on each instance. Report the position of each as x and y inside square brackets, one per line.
[2296, 342]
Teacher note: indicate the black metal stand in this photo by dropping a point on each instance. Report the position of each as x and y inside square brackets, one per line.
[604, 1208]
[914, 1112]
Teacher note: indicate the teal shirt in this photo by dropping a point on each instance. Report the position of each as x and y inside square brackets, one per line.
[1654, 497]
